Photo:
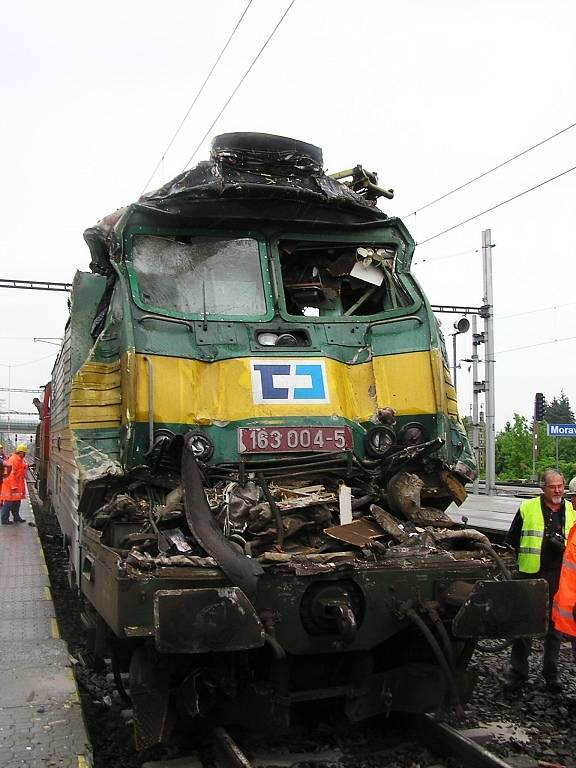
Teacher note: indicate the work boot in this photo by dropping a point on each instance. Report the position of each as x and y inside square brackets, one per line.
[553, 685]
[513, 683]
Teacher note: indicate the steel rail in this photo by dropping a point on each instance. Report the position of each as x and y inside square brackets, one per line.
[227, 754]
[442, 738]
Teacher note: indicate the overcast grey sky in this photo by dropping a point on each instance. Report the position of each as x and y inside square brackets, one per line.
[427, 94]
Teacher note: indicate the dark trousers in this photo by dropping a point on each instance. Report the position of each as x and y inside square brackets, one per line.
[521, 648]
[10, 506]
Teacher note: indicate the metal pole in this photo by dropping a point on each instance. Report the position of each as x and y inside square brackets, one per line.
[534, 476]
[489, 362]
[475, 427]
[556, 465]
[454, 360]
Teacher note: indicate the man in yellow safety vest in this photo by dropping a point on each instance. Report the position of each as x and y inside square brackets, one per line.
[538, 535]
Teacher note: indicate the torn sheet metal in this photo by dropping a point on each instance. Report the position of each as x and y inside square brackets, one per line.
[145, 561]
[404, 497]
[231, 525]
[389, 524]
[177, 539]
[360, 533]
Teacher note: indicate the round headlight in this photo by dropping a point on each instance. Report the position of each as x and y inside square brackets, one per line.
[267, 339]
[412, 434]
[378, 441]
[286, 340]
[200, 445]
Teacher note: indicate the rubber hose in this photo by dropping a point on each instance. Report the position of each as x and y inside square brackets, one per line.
[441, 659]
[444, 637]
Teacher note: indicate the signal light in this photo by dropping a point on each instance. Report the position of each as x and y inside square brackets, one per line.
[539, 407]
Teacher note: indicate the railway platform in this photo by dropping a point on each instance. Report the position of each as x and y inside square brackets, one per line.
[41, 722]
[491, 514]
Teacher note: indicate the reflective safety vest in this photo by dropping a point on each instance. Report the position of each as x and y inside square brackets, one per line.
[533, 533]
[565, 599]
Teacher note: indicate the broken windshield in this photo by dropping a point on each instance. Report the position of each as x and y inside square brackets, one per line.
[199, 275]
[336, 280]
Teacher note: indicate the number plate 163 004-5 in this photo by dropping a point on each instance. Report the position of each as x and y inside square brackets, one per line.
[282, 439]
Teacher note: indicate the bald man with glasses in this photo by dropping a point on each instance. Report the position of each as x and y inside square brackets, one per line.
[538, 535]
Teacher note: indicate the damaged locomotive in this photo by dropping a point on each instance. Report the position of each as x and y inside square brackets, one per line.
[253, 439]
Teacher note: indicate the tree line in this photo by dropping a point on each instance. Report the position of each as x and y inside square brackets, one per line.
[514, 444]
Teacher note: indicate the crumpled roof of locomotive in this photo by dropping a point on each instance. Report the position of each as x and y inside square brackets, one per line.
[251, 177]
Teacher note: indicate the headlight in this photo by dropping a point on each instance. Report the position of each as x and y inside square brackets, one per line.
[200, 445]
[412, 434]
[378, 441]
[267, 339]
[287, 340]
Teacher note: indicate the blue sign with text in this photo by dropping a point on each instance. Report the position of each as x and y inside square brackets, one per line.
[561, 430]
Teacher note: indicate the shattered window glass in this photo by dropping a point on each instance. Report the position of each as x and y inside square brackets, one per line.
[198, 275]
[329, 280]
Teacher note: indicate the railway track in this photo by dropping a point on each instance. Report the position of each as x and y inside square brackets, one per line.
[442, 740]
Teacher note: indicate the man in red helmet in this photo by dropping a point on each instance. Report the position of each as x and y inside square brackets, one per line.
[13, 486]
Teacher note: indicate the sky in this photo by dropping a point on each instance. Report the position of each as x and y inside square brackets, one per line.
[428, 95]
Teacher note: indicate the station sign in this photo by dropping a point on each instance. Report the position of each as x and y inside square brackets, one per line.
[561, 430]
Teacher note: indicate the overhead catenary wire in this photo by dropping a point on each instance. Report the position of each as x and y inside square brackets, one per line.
[498, 205]
[197, 96]
[28, 362]
[237, 87]
[491, 170]
[537, 344]
[535, 311]
[446, 256]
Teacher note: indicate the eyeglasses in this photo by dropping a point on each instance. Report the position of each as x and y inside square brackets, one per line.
[556, 487]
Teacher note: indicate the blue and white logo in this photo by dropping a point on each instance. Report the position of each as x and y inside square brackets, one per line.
[301, 382]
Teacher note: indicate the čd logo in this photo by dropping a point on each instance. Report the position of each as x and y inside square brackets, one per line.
[289, 381]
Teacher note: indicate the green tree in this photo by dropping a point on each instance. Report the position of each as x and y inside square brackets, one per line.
[559, 410]
[514, 450]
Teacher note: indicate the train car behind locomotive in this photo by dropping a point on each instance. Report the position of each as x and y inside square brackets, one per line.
[253, 439]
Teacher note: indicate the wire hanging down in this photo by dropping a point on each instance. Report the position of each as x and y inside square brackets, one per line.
[498, 205]
[198, 94]
[244, 76]
[496, 167]
[445, 256]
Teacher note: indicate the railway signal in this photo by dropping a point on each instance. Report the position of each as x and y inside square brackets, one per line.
[539, 407]
[538, 416]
